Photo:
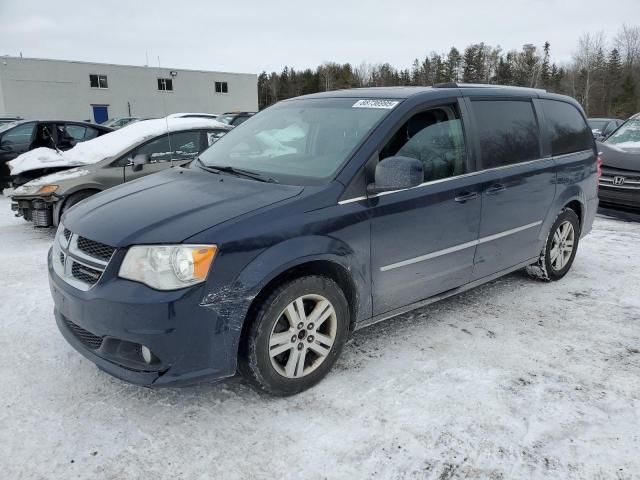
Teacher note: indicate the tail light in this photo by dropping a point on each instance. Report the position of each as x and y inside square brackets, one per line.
[599, 165]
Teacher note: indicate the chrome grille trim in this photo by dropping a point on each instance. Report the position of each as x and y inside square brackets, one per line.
[65, 247]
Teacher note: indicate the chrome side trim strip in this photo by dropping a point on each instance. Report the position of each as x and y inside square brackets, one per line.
[454, 291]
[429, 256]
[350, 200]
[509, 232]
[457, 248]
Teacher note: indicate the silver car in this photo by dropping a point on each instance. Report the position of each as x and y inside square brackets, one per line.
[45, 199]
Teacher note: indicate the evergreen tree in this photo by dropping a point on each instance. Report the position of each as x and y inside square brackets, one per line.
[545, 68]
[626, 103]
[453, 65]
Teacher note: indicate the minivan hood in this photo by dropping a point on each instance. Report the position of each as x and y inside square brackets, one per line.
[625, 159]
[170, 207]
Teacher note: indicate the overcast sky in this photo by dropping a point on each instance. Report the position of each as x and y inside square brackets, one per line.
[253, 35]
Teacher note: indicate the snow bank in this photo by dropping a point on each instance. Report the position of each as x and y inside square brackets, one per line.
[108, 145]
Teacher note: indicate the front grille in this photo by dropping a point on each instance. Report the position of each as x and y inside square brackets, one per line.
[84, 273]
[80, 261]
[620, 182]
[95, 249]
[88, 339]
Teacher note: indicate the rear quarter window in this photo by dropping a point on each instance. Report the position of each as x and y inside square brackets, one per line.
[507, 130]
[566, 128]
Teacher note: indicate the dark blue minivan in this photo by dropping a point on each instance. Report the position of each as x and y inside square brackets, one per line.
[320, 215]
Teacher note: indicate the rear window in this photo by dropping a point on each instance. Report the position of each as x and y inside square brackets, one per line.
[567, 130]
[508, 132]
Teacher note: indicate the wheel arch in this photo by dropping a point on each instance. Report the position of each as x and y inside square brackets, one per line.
[320, 267]
[59, 207]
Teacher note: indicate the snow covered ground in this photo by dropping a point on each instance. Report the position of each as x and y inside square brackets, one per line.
[516, 379]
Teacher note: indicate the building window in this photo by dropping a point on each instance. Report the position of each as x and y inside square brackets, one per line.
[98, 81]
[165, 84]
[222, 87]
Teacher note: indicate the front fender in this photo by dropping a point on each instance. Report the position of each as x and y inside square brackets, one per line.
[300, 250]
[232, 302]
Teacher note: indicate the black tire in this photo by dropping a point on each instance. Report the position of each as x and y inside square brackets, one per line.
[76, 198]
[547, 267]
[255, 362]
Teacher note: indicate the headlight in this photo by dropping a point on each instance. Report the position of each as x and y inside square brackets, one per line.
[168, 267]
[35, 189]
[46, 189]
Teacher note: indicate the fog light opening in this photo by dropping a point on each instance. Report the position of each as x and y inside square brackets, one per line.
[147, 356]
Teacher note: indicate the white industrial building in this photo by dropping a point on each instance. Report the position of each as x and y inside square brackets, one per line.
[69, 90]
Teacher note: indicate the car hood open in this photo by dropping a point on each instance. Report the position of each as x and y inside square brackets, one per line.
[170, 207]
[625, 159]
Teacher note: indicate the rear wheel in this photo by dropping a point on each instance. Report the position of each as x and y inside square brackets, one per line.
[560, 248]
[296, 336]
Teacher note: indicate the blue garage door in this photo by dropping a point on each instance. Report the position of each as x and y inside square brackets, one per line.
[100, 113]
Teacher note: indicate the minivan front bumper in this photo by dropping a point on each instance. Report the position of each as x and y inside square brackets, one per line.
[189, 342]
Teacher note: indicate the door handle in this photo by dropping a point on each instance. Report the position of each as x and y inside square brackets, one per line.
[464, 196]
[495, 189]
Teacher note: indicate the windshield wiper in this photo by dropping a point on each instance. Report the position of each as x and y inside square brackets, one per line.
[241, 172]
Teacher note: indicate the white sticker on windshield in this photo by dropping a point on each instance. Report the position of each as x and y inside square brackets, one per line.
[386, 104]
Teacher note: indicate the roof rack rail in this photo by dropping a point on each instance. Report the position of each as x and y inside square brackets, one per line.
[483, 85]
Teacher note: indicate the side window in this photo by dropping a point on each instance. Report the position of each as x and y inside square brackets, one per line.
[435, 137]
[176, 146]
[91, 133]
[507, 130]
[214, 135]
[566, 128]
[20, 134]
[238, 120]
[77, 132]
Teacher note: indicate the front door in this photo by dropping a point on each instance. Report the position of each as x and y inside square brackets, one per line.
[176, 148]
[518, 186]
[423, 239]
[100, 113]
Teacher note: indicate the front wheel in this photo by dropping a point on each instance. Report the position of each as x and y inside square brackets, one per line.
[296, 336]
[560, 248]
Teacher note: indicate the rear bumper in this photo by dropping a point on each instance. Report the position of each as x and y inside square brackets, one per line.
[109, 324]
[589, 216]
[629, 197]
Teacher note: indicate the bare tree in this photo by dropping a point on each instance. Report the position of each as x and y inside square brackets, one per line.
[627, 42]
[586, 59]
[362, 74]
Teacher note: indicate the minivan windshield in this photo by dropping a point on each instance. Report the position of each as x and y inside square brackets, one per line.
[302, 142]
[628, 135]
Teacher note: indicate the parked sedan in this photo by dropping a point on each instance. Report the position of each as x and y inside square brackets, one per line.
[19, 137]
[138, 150]
[620, 153]
[603, 127]
[120, 122]
[235, 118]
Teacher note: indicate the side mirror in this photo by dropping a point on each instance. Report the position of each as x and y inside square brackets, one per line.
[396, 173]
[140, 160]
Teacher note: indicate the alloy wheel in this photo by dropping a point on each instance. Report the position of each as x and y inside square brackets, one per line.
[303, 336]
[562, 245]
